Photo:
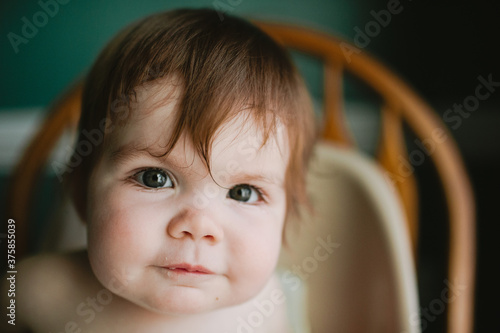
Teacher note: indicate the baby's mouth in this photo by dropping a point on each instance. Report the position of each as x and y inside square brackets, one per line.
[188, 269]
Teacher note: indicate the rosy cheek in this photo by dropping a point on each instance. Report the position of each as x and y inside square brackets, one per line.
[254, 252]
[112, 245]
[110, 228]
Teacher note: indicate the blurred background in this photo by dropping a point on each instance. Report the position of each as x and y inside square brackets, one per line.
[441, 48]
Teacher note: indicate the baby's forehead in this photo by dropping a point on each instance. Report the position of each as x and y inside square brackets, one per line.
[152, 122]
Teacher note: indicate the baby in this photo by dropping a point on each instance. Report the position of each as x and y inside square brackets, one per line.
[194, 139]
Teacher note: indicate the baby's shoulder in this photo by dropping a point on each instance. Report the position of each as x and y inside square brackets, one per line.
[53, 274]
[49, 284]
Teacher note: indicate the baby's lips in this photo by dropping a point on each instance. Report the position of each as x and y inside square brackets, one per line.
[189, 268]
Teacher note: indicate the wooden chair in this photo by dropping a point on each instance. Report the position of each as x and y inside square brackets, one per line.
[401, 105]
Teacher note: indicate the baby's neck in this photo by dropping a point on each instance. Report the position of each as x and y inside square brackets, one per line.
[140, 319]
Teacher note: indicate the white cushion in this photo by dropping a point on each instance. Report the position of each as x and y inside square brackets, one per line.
[364, 281]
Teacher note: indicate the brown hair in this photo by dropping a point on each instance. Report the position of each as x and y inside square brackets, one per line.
[225, 66]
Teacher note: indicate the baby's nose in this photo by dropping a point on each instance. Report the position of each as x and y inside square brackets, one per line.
[195, 225]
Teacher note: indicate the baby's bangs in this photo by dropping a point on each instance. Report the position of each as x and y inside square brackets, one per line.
[224, 67]
[204, 110]
[227, 68]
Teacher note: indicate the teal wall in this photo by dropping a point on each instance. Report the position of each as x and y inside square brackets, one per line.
[65, 46]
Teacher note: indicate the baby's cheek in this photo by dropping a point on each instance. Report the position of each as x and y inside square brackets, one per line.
[252, 263]
[117, 245]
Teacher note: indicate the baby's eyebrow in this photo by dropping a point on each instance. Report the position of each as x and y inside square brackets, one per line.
[130, 151]
[241, 178]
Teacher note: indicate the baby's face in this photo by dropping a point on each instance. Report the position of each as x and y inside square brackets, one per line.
[164, 235]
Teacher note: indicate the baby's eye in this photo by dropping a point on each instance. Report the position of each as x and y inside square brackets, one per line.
[245, 193]
[154, 178]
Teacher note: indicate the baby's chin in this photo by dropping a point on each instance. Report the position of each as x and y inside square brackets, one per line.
[183, 301]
